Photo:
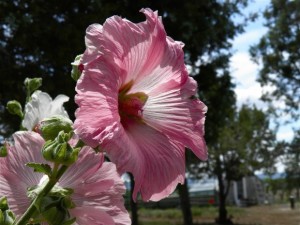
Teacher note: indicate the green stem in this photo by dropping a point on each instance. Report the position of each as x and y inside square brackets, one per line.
[50, 184]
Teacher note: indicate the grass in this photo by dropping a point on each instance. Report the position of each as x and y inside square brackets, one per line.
[257, 215]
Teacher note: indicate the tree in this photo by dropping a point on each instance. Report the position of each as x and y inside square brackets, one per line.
[42, 38]
[246, 144]
[292, 164]
[278, 51]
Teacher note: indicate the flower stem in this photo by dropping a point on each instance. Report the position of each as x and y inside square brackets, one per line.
[32, 208]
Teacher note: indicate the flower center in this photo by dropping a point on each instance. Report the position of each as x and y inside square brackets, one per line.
[131, 105]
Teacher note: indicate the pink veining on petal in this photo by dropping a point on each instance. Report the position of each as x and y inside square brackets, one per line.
[137, 102]
[98, 188]
[15, 176]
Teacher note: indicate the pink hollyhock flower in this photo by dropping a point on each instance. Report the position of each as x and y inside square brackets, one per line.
[42, 106]
[136, 101]
[98, 188]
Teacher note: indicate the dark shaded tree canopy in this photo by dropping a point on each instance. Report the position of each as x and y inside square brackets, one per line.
[41, 38]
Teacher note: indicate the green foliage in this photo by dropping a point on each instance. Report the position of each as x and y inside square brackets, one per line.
[292, 163]
[50, 127]
[6, 215]
[59, 150]
[41, 38]
[40, 168]
[245, 144]
[279, 52]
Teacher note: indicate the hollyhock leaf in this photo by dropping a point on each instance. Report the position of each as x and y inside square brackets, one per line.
[40, 167]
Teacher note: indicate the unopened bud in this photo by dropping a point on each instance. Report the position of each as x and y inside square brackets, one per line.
[3, 149]
[76, 68]
[50, 127]
[14, 107]
[59, 150]
[32, 84]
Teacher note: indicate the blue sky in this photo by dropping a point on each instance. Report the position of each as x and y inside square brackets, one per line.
[245, 72]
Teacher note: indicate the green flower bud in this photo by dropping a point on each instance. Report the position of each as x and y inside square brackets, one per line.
[50, 127]
[76, 68]
[14, 107]
[59, 150]
[3, 150]
[3, 203]
[32, 84]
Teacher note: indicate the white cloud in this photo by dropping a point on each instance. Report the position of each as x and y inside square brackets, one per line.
[251, 37]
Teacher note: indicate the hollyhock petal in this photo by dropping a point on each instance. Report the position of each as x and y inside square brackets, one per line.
[168, 74]
[15, 190]
[87, 164]
[91, 216]
[41, 106]
[98, 185]
[137, 102]
[97, 91]
[15, 176]
[156, 162]
[93, 41]
[139, 46]
[104, 190]
[98, 188]
[31, 144]
[185, 125]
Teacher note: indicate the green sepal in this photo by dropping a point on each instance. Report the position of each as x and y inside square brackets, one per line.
[76, 73]
[70, 221]
[50, 127]
[60, 151]
[2, 219]
[3, 204]
[6, 218]
[40, 168]
[14, 107]
[54, 210]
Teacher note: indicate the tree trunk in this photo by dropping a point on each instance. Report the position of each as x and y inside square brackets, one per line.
[185, 203]
[222, 219]
[133, 204]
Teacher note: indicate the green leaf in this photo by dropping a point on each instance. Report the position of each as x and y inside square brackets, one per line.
[40, 168]
[69, 222]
